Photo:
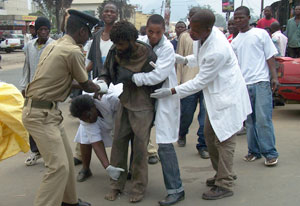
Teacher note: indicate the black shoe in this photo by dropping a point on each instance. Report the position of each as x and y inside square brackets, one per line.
[153, 160]
[129, 175]
[77, 161]
[210, 182]
[172, 199]
[217, 193]
[181, 141]
[80, 203]
[203, 153]
[83, 175]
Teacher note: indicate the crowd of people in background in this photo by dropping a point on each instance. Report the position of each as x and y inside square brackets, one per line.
[130, 81]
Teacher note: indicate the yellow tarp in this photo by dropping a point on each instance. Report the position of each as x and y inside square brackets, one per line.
[13, 135]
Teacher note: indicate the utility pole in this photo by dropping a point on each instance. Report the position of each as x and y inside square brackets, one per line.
[162, 6]
[242, 2]
[167, 14]
[262, 8]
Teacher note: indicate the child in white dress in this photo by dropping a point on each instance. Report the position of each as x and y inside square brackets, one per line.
[95, 129]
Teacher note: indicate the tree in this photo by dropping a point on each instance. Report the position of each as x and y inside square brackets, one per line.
[220, 20]
[125, 10]
[53, 9]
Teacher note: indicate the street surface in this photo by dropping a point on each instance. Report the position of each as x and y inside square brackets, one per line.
[257, 185]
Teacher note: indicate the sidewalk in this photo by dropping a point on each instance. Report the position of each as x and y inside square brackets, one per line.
[256, 185]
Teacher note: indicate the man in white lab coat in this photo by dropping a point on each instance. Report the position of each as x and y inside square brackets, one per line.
[168, 109]
[226, 97]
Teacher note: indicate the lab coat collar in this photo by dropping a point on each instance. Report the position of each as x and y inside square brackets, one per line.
[160, 43]
[211, 36]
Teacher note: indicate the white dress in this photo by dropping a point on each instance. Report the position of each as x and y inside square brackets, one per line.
[101, 130]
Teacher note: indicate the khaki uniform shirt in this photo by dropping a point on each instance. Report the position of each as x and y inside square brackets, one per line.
[60, 63]
[185, 48]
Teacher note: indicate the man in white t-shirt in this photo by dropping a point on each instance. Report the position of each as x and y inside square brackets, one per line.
[255, 52]
[101, 42]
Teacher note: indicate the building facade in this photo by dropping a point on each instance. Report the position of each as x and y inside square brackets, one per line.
[14, 7]
[14, 16]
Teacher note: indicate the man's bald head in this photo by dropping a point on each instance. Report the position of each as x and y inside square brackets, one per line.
[204, 18]
[193, 11]
[275, 26]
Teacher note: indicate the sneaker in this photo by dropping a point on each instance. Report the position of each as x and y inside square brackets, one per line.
[250, 158]
[217, 192]
[203, 153]
[181, 141]
[271, 162]
[83, 175]
[32, 159]
[77, 161]
[153, 160]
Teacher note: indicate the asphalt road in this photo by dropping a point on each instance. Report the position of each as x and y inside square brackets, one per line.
[257, 185]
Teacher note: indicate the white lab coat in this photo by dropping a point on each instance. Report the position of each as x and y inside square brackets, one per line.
[168, 109]
[224, 88]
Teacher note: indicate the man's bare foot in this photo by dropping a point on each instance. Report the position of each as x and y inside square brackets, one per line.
[112, 195]
[135, 198]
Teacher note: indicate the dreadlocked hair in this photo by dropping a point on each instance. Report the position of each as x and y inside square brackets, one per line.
[123, 30]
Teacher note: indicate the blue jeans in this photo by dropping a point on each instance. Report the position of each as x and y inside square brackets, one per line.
[260, 131]
[170, 168]
[188, 108]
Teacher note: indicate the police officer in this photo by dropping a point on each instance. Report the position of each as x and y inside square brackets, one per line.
[60, 63]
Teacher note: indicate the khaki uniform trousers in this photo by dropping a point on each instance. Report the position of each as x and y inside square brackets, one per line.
[134, 126]
[58, 183]
[221, 156]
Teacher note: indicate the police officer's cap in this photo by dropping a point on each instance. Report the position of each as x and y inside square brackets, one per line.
[84, 18]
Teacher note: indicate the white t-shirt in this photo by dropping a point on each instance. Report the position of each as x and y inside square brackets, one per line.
[104, 48]
[86, 50]
[253, 48]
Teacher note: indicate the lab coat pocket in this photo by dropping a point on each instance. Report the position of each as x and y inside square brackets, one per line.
[221, 100]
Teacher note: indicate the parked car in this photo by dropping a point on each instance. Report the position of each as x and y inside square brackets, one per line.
[10, 42]
[288, 71]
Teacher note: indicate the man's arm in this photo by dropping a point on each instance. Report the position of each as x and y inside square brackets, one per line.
[26, 74]
[90, 87]
[89, 67]
[165, 63]
[207, 74]
[274, 78]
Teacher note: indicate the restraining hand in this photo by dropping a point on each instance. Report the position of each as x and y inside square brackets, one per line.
[114, 172]
[180, 59]
[102, 84]
[161, 93]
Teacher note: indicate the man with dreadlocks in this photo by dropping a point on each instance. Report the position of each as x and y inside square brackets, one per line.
[135, 114]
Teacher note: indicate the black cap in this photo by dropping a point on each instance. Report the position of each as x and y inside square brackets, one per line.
[42, 21]
[84, 18]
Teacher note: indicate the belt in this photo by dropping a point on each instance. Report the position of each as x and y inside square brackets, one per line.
[40, 104]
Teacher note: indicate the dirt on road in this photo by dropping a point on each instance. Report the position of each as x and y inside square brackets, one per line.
[13, 60]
